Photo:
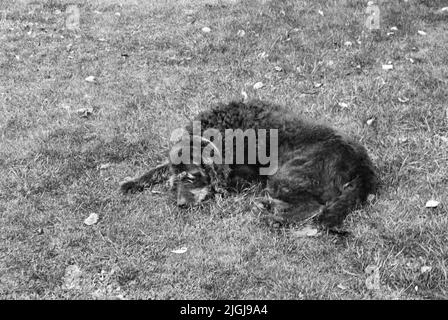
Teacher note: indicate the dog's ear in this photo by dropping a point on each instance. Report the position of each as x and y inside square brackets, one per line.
[154, 176]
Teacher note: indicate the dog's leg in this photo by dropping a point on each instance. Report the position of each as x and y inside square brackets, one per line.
[154, 176]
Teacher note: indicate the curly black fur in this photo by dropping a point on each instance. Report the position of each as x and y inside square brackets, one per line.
[320, 169]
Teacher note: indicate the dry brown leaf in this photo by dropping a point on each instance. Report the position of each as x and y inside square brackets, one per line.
[90, 79]
[180, 251]
[72, 277]
[373, 280]
[91, 219]
[258, 85]
[432, 204]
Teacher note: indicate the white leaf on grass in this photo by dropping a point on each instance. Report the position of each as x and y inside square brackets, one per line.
[306, 231]
[84, 112]
[390, 33]
[343, 105]
[348, 43]
[394, 28]
[444, 139]
[373, 280]
[387, 67]
[105, 166]
[72, 277]
[342, 287]
[425, 269]
[278, 69]
[432, 204]
[91, 219]
[403, 99]
[262, 55]
[258, 85]
[241, 33]
[179, 251]
[442, 10]
[90, 79]
[206, 29]
[117, 14]
[370, 121]
[320, 12]
[245, 96]
[318, 84]
[421, 32]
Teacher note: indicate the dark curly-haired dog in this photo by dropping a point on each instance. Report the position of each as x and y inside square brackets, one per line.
[321, 172]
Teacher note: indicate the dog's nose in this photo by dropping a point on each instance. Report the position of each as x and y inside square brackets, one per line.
[181, 201]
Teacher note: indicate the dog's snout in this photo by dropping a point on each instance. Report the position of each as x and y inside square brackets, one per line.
[181, 201]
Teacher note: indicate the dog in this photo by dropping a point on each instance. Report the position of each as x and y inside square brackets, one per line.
[320, 172]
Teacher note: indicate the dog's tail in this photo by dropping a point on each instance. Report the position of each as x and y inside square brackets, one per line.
[154, 176]
[353, 194]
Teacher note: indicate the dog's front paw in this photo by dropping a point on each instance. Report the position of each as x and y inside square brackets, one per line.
[129, 185]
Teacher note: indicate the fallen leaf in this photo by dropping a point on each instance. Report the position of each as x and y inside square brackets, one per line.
[320, 12]
[373, 280]
[422, 33]
[84, 112]
[179, 251]
[425, 269]
[117, 14]
[278, 69]
[348, 43]
[245, 96]
[343, 105]
[306, 231]
[442, 10]
[432, 204]
[72, 277]
[90, 79]
[403, 99]
[206, 29]
[318, 84]
[105, 166]
[342, 287]
[387, 67]
[263, 55]
[241, 33]
[394, 28]
[444, 139]
[390, 34]
[258, 85]
[370, 121]
[92, 219]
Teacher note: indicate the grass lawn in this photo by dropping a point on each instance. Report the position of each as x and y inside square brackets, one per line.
[155, 68]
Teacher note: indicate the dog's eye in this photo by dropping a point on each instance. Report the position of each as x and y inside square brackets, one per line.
[190, 176]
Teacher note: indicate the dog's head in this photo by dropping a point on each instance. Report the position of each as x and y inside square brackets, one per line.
[198, 176]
